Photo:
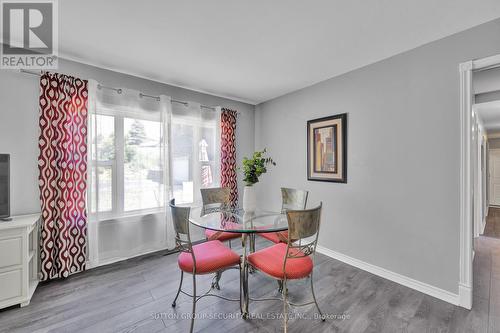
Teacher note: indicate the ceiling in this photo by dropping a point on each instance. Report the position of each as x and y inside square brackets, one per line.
[254, 51]
[490, 115]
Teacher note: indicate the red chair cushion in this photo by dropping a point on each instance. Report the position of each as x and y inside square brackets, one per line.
[275, 237]
[270, 261]
[210, 257]
[222, 236]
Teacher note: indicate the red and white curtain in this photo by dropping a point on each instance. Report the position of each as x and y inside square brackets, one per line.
[63, 174]
[228, 153]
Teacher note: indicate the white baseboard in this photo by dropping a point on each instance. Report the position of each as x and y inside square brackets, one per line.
[465, 296]
[117, 258]
[389, 275]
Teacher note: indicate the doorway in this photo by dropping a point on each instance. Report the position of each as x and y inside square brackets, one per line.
[494, 175]
[476, 191]
[492, 227]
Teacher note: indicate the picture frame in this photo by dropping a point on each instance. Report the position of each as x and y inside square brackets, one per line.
[327, 149]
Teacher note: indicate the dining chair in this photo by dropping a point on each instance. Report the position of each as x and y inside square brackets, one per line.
[290, 199]
[204, 258]
[214, 200]
[217, 199]
[294, 259]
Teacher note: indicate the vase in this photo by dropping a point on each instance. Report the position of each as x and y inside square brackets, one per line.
[249, 199]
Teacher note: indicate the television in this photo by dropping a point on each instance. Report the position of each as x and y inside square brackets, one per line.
[4, 186]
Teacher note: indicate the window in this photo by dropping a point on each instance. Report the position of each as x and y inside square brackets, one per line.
[103, 162]
[127, 172]
[143, 177]
[195, 152]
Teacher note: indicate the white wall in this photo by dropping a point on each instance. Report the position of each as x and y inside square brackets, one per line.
[486, 81]
[19, 122]
[486, 85]
[400, 207]
[19, 137]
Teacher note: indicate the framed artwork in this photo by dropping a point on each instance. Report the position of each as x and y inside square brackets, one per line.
[327, 149]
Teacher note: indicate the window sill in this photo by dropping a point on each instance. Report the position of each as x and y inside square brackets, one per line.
[107, 216]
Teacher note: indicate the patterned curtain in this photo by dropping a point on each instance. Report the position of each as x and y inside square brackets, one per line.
[63, 174]
[228, 153]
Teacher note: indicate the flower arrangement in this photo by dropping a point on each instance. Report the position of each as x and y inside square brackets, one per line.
[254, 167]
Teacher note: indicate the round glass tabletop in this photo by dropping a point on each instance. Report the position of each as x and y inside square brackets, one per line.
[239, 221]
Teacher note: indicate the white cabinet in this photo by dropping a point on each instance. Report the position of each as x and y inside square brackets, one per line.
[19, 253]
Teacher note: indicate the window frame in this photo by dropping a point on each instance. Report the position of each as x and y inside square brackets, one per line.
[118, 170]
[117, 165]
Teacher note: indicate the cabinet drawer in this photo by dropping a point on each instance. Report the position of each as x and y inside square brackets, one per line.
[10, 284]
[10, 252]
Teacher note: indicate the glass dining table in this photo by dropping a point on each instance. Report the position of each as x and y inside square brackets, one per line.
[248, 224]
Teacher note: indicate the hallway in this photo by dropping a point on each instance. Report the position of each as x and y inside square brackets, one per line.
[492, 228]
[487, 270]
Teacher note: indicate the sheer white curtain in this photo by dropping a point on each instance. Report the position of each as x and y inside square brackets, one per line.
[195, 150]
[129, 174]
[142, 152]
[195, 153]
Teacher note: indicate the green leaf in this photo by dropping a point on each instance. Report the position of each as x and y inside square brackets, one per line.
[254, 167]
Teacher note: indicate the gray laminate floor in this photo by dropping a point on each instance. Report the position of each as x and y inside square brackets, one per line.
[135, 296]
[492, 228]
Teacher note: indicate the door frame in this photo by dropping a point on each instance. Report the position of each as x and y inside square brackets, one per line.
[466, 177]
[489, 178]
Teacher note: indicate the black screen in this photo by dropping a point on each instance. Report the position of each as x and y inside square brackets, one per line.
[4, 185]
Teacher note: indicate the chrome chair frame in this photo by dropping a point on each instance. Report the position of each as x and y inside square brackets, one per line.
[293, 199]
[180, 217]
[213, 196]
[302, 224]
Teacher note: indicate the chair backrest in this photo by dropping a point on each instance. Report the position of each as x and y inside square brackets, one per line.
[180, 217]
[303, 230]
[215, 199]
[293, 199]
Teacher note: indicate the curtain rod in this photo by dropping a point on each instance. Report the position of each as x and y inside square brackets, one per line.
[119, 91]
